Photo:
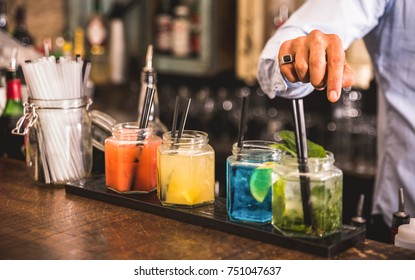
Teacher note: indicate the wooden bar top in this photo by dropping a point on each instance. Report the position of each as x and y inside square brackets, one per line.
[44, 222]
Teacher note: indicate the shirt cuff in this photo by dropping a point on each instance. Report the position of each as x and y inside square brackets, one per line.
[270, 78]
[273, 83]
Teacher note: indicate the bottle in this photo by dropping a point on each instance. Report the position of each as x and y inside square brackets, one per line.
[117, 46]
[181, 31]
[149, 79]
[3, 16]
[20, 32]
[358, 220]
[406, 235]
[195, 28]
[67, 46]
[11, 145]
[163, 28]
[67, 36]
[3, 97]
[400, 217]
[79, 41]
[97, 33]
[281, 16]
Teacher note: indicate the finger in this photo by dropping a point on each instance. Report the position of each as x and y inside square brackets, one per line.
[288, 70]
[335, 69]
[318, 65]
[348, 76]
[322, 85]
[301, 60]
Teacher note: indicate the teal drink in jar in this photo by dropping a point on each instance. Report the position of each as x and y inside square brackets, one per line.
[250, 174]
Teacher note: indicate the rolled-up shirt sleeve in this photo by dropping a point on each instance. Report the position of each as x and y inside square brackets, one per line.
[349, 19]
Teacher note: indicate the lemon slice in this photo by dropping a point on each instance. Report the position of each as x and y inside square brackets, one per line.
[260, 182]
[179, 192]
[174, 192]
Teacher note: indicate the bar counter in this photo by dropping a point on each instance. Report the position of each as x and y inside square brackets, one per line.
[43, 223]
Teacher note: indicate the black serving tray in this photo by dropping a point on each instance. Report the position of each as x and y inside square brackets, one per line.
[215, 216]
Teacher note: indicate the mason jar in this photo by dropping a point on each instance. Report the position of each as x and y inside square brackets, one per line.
[131, 158]
[186, 168]
[323, 182]
[58, 139]
[250, 174]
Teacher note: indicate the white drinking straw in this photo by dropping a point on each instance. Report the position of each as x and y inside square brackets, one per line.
[52, 79]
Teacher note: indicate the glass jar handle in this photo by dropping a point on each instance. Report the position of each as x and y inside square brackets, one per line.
[101, 128]
[29, 113]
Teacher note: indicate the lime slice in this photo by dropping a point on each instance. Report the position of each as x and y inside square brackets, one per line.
[260, 183]
[278, 201]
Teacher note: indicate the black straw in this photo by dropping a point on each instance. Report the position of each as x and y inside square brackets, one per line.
[148, 100]
[149, 105]
[301, 141]
[84, 64]
[242, 120]
[176, 113]
[184, 118]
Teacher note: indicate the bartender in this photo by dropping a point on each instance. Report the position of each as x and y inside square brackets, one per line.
[307, 53]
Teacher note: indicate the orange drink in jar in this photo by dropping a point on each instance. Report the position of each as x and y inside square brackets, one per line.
[131, 159]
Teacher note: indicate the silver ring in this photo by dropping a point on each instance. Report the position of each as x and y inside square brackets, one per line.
[287, 59]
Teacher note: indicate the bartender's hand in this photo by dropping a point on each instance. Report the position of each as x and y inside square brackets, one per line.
[317, 58]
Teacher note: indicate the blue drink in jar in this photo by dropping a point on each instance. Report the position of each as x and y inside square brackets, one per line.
[250, 175]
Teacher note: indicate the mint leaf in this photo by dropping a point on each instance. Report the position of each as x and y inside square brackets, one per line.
[289, 138]
[314, 150]
[284, 147]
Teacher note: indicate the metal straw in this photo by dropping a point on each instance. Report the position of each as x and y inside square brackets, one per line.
[359, 209]
[184, 118]
[301, 141]
[401, 201]
[358, 220]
